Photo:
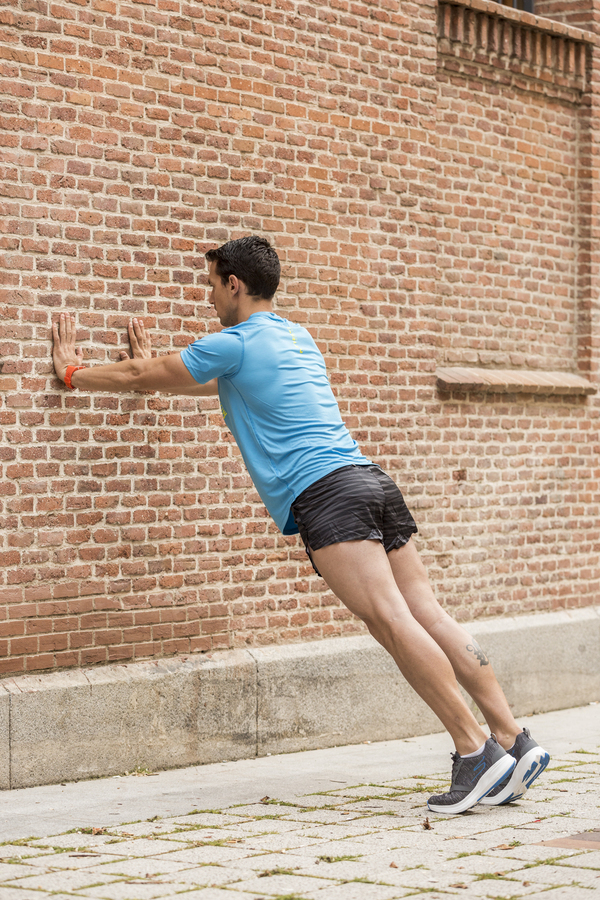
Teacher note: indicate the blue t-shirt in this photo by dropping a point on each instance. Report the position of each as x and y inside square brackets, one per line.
[278, 404]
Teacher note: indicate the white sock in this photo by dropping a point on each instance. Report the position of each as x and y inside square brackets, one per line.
[469, 755]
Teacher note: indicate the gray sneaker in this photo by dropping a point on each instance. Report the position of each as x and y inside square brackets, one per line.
[473, 778]
[531, 760]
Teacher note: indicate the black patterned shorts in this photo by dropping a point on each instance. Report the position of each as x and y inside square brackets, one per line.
[355, 503]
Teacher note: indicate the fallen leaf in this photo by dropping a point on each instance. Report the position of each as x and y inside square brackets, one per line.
[393, 865]
[502, 847]
[427, 824]
[459, 885]
[500, 874]
[264, 799]
[526, 883]
[98, 831]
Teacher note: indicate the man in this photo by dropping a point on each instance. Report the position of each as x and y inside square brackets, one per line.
[312, 477]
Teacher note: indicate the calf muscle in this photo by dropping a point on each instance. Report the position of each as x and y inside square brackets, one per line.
[359, 573]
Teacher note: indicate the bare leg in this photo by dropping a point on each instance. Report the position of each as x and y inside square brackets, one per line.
[359, 573]
[471, 666]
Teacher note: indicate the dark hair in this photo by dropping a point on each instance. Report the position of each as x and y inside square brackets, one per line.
[253, 261]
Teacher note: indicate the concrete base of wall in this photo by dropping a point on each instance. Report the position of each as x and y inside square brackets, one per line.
[82, 723]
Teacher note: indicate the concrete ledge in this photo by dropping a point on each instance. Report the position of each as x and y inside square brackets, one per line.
[545, 662]
[70, 725]
[4, 738]
[77, 724]
[337, 691]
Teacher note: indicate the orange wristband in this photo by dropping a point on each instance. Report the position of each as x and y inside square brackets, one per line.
[69, 375]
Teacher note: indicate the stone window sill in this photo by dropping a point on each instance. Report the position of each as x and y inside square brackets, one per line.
[538, 23]
[510, 381]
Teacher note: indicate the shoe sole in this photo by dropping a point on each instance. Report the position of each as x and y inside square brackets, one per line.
[524, 774]
[486, 783]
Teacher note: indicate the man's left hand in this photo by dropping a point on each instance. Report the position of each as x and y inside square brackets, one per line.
[141, 345]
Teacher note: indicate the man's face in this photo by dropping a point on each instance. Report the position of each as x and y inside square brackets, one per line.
[223, 297]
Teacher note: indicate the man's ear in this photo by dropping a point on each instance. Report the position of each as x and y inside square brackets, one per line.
[234, 284]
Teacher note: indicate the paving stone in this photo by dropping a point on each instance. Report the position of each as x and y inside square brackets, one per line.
[276, 885]
[262, 861]
[17, 851]
[141, 847]
[149, 830]
[551, 874]
[137, 868]
[391, 837]
[357, 891]
[12, 871]
[478, 865]
[62, 881]
[568, 893]
[73, 840]
[533, 852]
[364, 790]
[584, 858]
[325, 816]
[502, 889]
[134, 890]
[430, 878]
[71, 861]
[337, 831]
[277, 842]
[273, 826]
[9, 893]
[342, 870]
[212, 894]
[207, 875]
[335, 848]
[209, 853]
[218, 819]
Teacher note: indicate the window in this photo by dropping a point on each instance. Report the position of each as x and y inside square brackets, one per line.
[525, 5]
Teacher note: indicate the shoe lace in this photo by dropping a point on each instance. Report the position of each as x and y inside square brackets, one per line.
[456, 760]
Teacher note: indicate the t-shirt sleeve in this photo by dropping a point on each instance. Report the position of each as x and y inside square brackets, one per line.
[213, 356]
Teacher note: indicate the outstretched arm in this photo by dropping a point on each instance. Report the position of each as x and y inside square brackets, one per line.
[142, 373]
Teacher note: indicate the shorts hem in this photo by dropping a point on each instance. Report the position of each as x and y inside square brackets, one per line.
[401, 540]
[344, 537]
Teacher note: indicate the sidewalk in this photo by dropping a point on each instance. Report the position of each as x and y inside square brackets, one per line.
[348, 823]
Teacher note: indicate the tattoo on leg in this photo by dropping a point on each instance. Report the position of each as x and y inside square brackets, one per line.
[476, 649]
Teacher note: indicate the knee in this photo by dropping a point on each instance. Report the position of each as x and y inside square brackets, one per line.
[383, 624]
[435, 620]
[380, 633]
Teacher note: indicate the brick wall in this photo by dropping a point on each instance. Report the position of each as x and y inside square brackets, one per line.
[509, 124]
[135, 136]
[579, 13]
[513, 498]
